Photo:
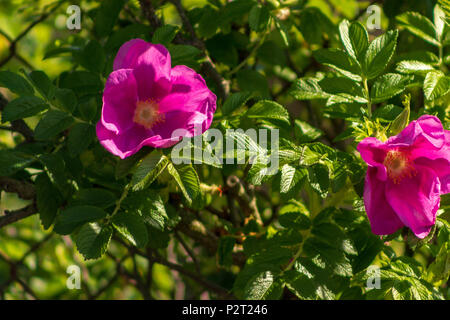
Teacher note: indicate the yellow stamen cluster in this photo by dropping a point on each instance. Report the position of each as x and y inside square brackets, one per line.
[147, 114]
[398, 165]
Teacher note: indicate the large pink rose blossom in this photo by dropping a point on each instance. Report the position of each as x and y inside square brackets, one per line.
[406, 176]
[145, 100]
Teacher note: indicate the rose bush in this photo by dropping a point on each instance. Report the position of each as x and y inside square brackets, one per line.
[225, 149]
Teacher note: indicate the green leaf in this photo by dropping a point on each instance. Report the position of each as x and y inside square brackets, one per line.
[435, 85]
[12, 161]
[225, 251]
[65, 99]
[401, 121]
[187, 179]
[80, 137]
[439, 21]
[235, 101]
[388, 112]
[290, 176]
[23, 107]
[306, 132]
[342, 90]
[268, 110]
[340, 61]
[379, 53]
[263, 286]
[387, 86]
[355, 39]
[43, 83]
[150, 206]
[132, 227]
[48, 200]
[93, 57]
[55, 166]
[306, 89]
[418, 25]
[165, 34]
[107, 16]
[73, 217]
[51, 124]
[253, 81]
[319, 179]
[294, 215]
[314, 24]
[414, 67]
[184, 54]
[283, 30]
[94, 197]
[92, 241]
[15, 83]
[259, 18]
[148, 170]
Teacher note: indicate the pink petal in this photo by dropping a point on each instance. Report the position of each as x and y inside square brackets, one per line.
[373, 151]
[416, 200]
[383, 219]
[139, 52]
[427, 131]
[119, 101]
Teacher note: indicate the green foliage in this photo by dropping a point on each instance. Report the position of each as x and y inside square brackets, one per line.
[247, 226]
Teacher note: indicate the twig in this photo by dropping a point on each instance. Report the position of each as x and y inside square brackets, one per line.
[13, 216]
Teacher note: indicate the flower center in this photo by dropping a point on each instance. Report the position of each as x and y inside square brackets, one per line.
[398, 165]
[147, 114]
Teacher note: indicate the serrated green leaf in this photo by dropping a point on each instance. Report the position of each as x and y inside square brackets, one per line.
[165, 34]
[306, 89]
[235, 101]
[12, 161]
[418, 25]
[387, 86]
[92, 241]
[435, 85]
[80, 137]
[413, 66]
[51, 124]
[268, 110]
[23, 107]
[340, 61]
[132, 227]
[187, 179]
[43, 83]
[379, 53]
[355, 39]
[96, 197]
[148, 170]
[73, 217]
[48, 200]
[15, 83]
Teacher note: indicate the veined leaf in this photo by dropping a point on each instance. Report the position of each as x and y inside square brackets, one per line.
[355, 39]
[23, 107]
[436, 84]
[340, 61]
[307, 89]
[387, 86]
[413, 66]
[379, 53]
[269, 110]
[148, 170]
[187, 179]
[419, 25]
[92, 241]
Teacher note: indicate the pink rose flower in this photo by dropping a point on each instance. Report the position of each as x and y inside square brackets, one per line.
[406, 176]
[145, 100]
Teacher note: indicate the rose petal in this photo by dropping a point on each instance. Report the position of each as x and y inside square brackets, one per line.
[119, 101]
[383, 219]
[427, 131]
[373, 151]
[416, 200]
